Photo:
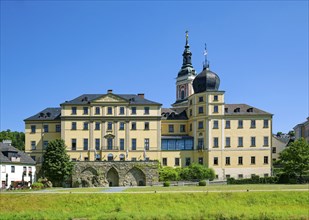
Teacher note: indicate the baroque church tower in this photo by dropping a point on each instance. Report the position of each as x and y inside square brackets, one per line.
[185, 78]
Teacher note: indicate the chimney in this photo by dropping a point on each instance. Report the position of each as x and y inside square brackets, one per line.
[142, 95]
[109, 91]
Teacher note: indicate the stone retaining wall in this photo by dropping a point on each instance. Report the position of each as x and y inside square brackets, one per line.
[115, 173]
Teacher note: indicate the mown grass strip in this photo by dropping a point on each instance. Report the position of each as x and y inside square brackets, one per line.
[251, 205]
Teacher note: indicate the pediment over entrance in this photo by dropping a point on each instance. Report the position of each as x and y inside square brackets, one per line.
[109, 98]
[108, 136]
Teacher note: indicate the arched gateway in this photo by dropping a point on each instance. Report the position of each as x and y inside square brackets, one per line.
[112, 177]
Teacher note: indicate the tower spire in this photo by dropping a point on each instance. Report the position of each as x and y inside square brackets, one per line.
[206, 62]
[187, 53]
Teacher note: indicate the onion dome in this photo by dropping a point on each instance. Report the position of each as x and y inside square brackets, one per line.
[206, 81]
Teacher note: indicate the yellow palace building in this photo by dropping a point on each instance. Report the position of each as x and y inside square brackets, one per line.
[233, 139]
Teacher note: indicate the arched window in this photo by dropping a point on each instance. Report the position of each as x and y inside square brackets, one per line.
[110, 157]
[182, 94]
[121, 157]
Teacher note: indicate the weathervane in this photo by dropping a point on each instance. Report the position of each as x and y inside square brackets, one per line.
[187, 37]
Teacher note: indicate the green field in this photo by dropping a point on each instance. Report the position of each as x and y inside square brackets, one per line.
[210, 188]
[150, 205]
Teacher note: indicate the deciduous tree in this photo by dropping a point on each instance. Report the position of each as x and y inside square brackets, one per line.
[56, 164]
[295, 158]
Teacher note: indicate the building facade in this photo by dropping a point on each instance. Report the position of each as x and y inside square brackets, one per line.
[16, 166]
[302, 130]
[233, 139]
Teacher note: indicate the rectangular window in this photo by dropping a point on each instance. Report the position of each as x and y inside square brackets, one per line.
[85, 110]
[133, 111]
[109, 125]
[146, 141]
[240, 124]
[265, 123]
[33, 145]
[252, 124]
[97, 143]
[200, 125]
[190, 127]
[109, 144]
[190, 112]
[164, 161]
[45, 145]
[200, 110]
[252, 160]
[133, 158]
[121, 143]
[33, 127]
[216, 142]
[58, 128]
[191, 102]
[74, 110]
[133, 126]
[171, 128]
[265, 141]
[45, 128]
[97, 110]
[146, 126]
[109, 110]
[12, 169]
[216, 124]
[200, 99]
[240, 142]
[133, 144]
[200, 144]
[85, 143]
[227, 161]
[227, 142]
[228, 124]
[121, 111]
[182, 128]
[265, 159]
[146, 110]
[73, 125]
[201, 160]
[227, 176]
[188, 161]
[215, 98]
[216, 161]
[274, 150]
[240, 176]
[73, 144]
[252, 141]
[239, 160]
[85, 126]
[216, 109]
[177, 161]
[97, 126]
[121, 126]
[86, 158]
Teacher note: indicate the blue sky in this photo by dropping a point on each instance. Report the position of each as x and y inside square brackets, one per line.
[53, 51]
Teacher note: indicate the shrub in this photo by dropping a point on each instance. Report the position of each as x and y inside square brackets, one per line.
[168, 174]
[254, 180]
[166, 184]
[37, 185]
[202, 183]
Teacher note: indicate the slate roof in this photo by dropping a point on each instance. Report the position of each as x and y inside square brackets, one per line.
[46, 114]
[243, 109]
[171, 114]
[24, 158]
[132, 98]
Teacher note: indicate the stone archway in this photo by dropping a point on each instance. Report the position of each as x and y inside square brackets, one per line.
[112, 177]
[135, 177]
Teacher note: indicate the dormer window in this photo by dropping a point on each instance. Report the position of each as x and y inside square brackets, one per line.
[237, 110]
[226, 110]
[250, 110]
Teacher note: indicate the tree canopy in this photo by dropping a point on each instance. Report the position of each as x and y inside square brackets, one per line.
[17, 138]
[56, 164]
[295, 158]
[193, 172]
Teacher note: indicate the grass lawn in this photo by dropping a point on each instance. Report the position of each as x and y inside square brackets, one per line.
[266, 187]
[222, 205]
